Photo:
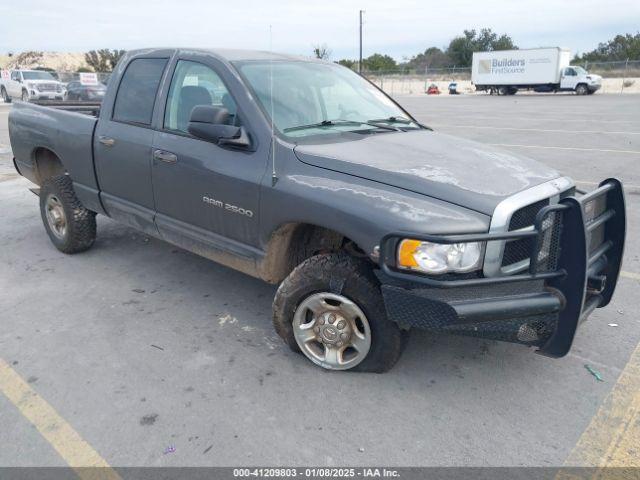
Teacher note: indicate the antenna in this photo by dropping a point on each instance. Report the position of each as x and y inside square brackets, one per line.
[274, 177]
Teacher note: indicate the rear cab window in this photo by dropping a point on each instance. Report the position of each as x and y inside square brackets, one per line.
[137, 91]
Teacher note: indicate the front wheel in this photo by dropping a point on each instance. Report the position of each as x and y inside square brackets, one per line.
[330, 309]
[70, 226]
[25, 96]
[582, 89]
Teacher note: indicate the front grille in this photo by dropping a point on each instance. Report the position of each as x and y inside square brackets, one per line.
[518, 252]
[47, 87]
[526, 216]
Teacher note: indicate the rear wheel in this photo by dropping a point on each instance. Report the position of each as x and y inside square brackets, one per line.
[582, 89]
[330, 309]
[70, 226]
[5, 96]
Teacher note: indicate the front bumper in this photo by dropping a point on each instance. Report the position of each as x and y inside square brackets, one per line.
[542, 307]
[46, 95]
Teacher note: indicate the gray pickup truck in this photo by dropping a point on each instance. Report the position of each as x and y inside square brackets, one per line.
[304, 174]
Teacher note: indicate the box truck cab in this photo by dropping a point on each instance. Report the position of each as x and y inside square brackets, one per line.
[540, 69]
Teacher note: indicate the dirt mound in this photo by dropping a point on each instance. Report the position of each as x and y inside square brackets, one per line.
[56, 60]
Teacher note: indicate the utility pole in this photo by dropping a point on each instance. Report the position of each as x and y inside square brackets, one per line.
[360, 61]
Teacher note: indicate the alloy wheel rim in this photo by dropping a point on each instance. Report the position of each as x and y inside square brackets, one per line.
[332, 331]
[56, 217]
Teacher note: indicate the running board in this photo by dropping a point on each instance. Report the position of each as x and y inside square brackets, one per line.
[35, 191]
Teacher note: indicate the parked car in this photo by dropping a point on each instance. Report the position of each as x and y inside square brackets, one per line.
[29, 85]
[433, 89]
[303, 174]
[540, 69]
[77, 91]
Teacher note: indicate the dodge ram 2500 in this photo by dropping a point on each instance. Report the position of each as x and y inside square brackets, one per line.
[304, 174]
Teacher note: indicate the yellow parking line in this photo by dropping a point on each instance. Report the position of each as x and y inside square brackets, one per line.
[612, 439]
[634, 152]
[634, 276]
[63, 438]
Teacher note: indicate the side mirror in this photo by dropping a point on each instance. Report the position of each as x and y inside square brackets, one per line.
[209, 123]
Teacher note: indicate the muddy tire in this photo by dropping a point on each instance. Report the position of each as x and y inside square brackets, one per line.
[70, 226]
[330, 308]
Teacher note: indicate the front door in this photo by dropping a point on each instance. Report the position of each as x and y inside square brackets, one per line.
[569, 79]
[122, 146]
[14, 85]
[206, 196]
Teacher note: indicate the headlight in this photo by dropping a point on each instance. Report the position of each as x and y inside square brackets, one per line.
[32, 86]
[438, 258]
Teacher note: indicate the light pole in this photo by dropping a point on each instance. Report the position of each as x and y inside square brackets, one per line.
[360, 61]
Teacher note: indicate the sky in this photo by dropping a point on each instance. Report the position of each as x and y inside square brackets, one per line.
[400, 28]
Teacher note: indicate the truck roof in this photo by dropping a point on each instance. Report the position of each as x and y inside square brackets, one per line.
[232, 55]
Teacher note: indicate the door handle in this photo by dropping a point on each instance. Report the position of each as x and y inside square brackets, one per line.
[163, 156]
[107, 141]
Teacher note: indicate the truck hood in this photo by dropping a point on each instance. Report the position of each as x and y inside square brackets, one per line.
[458, 171]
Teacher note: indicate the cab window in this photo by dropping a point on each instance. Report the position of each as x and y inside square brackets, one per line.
[137, 92]
[195, 84]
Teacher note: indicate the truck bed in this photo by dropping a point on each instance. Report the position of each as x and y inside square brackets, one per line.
[89, 108]
[65, 129]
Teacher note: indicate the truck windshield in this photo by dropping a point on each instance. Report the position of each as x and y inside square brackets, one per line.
[37, 76]
[318, 98]
[580, 70]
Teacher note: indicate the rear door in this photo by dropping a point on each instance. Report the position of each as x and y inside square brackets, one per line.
[206, 196]
[122, 144]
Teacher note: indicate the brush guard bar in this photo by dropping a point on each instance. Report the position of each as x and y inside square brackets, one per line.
[583, 278]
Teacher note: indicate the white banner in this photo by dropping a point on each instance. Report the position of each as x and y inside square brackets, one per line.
[88, 78]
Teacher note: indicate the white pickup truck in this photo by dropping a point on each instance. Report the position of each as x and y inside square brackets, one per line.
[30, 85]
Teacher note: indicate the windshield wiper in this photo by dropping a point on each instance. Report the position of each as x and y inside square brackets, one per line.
[323, 123]
[331, 123]
[398, 119]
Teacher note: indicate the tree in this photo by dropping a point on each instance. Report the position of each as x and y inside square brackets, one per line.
[379, 63]
[321, 51]
[103, 60]
[461, 48]
[432, 57]
[621, 47]
[345, 62]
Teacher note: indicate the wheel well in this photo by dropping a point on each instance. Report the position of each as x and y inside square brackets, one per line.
[292, 243]
[47, 165]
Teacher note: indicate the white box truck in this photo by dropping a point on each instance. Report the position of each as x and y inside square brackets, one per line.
[541, 69]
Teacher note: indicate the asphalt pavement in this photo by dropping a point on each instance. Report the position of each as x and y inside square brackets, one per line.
[139, 346]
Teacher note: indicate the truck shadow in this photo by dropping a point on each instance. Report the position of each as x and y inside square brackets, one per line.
[238, 303]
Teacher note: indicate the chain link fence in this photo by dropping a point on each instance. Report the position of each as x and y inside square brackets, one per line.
[618, 77]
